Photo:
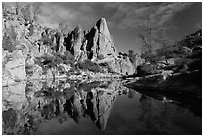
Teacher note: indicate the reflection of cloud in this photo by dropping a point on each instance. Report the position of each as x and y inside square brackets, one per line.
[133, 15]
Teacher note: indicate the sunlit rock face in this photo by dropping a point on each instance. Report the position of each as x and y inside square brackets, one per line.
[97, 42]
[13, 66]
[98, 46]
[42, 101]
[25, 41]
[105, 42]
[73, 42]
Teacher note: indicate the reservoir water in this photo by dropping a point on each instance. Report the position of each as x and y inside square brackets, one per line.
[66, 107]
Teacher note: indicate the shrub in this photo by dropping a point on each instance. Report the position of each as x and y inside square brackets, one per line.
[10, 39]
[100, 57]
[88, 65]
[105, 66]
[147, 69]
[31, 30]
[66, 58]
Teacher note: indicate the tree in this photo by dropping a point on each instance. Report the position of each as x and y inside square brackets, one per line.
[88, 65]
[147, 50]
[10, 41]
[166, 51]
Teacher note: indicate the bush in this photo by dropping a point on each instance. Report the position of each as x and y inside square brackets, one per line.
[105, 66]
[48, 61]
[147, 69]
[10, 39]
[31, 30]
[182, 64]
[88, 65]
[67, 57]
[100, 57]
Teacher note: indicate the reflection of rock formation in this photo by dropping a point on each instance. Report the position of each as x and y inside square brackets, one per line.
[29, 104]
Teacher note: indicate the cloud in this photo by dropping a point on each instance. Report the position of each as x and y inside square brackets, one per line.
[155, 15]
[70, 14]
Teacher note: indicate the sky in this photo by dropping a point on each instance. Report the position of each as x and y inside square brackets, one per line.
[125, 19]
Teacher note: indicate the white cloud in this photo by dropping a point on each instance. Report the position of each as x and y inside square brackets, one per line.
[54, 13]
[134, 15]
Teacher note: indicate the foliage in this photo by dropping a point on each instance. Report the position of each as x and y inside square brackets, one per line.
[185, 51]
[49, 61]
[192, 40]
[10, 39]
[189, 59]
[31, 30]
[46, 37]
[105, 66]
[67, 57]
[147, 69]
[147, 48]
[166, 51]
[88, 65]
[100, 57]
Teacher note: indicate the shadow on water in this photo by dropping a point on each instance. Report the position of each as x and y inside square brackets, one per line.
[191, 102]
[92, 107]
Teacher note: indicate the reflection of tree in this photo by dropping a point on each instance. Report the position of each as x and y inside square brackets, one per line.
[154, 116]
[131, 93]
[10, 118]
[146, 115]
[163, 116]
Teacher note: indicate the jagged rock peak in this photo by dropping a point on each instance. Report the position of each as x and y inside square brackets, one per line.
[103, 28]
[78, 29]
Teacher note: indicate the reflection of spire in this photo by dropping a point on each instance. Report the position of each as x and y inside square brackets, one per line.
[48, 100]
[90, 106]
[102, 119]
[104, 105]
[71, 109]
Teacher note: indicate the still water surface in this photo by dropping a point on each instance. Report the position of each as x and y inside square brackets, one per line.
[92, 107]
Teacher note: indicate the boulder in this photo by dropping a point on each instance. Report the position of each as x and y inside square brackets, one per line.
[127, 67]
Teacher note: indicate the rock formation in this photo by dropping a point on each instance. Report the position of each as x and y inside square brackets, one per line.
[24, 42]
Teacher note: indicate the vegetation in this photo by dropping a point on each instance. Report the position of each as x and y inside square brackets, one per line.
[184, 53]
[147, 48]
[88, 65]
[10, 39]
